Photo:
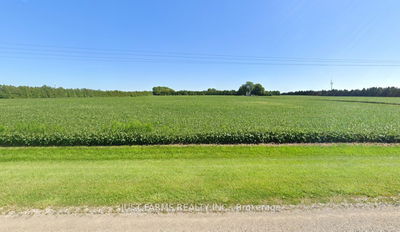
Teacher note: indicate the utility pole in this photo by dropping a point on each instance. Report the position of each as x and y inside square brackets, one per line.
[331, 85]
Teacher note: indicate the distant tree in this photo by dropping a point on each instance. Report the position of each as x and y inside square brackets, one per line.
[272, 93]
[246, 89]
[370, 92]
[8, 91]
[241, 90]
[162, 90]
[258, 90]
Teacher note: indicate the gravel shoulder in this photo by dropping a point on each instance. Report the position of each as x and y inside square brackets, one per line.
[381, 218]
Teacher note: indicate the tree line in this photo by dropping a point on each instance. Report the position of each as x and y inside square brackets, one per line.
[8, 91]
[366, 92]
[247, 89]
[162, 90]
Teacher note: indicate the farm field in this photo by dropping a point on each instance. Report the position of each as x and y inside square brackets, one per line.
[197, 120]
[108, 176]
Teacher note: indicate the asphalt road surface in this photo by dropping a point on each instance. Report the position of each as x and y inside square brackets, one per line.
[321, 220]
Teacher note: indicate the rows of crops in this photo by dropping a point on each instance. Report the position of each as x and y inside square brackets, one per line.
[197, 119]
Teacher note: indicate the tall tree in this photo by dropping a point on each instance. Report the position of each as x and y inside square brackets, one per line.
[258, 90]
[246, 89]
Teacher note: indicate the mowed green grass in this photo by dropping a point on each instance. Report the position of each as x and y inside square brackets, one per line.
[197, 119]
[109, 176]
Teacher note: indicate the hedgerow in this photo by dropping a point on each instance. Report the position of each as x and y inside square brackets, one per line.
[105, 139]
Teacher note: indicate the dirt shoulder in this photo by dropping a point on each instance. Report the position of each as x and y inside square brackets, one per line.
[382, 218]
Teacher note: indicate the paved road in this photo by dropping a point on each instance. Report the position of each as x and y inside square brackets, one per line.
[321, 220]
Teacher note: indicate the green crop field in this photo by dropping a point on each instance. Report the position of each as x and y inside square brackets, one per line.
[109, 176]
[198, 119]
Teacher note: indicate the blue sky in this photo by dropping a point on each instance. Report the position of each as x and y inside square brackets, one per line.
[85, 36]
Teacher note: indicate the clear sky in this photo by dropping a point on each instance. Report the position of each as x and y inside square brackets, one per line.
[198, 44]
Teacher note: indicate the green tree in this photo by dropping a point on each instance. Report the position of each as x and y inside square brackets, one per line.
[162, 90]
[246, 89]
[258, 90]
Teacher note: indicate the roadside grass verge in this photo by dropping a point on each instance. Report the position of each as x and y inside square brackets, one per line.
[42, 177]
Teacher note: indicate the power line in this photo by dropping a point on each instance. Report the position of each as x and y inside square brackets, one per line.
[119, 55]
[173, 54]
[68, 58]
